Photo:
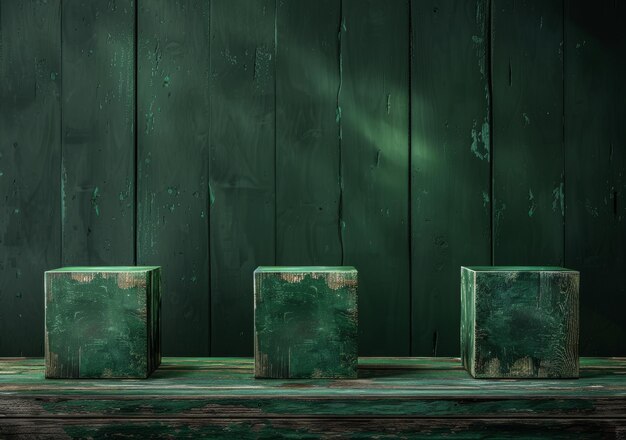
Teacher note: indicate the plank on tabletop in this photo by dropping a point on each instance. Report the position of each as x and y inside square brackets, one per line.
[595, 187]
[30, 152]
[450, 168]
[241, 165]
[308, 196]
[319, 427]
[98, 105]
[528, 193]
[173, 147]
[374, 102]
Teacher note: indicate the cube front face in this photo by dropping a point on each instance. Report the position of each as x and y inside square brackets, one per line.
[519, 322]
[305, 322]
[102, 322]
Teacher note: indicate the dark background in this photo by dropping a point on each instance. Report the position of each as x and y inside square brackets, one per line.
[406, 138]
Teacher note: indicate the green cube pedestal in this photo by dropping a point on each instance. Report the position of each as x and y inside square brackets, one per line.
[305, 322]
[102, 322]
[519, 322]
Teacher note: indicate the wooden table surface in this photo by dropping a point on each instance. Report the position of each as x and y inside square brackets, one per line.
[393, 397]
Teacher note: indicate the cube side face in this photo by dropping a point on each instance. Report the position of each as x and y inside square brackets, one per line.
[306, 325]
[96, 325]
[468, 314]
[526, 325]
[154, 319]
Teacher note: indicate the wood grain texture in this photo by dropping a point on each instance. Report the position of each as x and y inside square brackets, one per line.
[305, 322]
[450, 169]
[407, 397]
[528, 179]
[102, 322]
[318, 428]
[520, 322]
[308, 194]
[241, 165]
[30, 145]
[595, 135]
[374, 123]
[173, 148]
[98, 165]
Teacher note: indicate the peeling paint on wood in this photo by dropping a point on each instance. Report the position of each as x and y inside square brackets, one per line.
[528, 132]
[394, 397]
[102, 322]
[305, 322]
[519, 322]
[173, 192]
[30, 158]
[450, 191]
[98, 139]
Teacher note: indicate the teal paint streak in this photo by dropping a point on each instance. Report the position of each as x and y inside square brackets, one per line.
[94, 201]
[306, 327]
[480, 138]
[558, 198]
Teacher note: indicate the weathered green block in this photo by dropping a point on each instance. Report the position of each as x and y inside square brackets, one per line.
[103, 322]
[305, 322]
[519, 322]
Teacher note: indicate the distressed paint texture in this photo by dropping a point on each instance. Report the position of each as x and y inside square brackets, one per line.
[98, 132]
[173, 193]
[412, 398]
[308, 123]
[595, 169]
[305, 322]
[528, 153]
[30, 147]
[374, 104]
[241, 165]
[519, 322]
[406, 138]
[102, 322]
[450, 168]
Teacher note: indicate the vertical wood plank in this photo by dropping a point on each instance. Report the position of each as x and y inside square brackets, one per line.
[450, 169]
[528, 132]
[173, 147]
[30, 147]
[374, 102]
[595, 180]
[308, 220]
[98, 168]
[241, 165]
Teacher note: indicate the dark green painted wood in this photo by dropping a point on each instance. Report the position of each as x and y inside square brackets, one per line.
[30, 141]
[318, 428]
[308, 196]
[305, 322]
[411, 397]
[98, 166]
[528, 192]
[374, 104]
[595, 189]
[241, 165]
[172, 165]
[520, 323]
[450, 170]
[102, 322]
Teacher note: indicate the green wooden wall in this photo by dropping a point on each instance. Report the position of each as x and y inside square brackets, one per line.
[406, 138]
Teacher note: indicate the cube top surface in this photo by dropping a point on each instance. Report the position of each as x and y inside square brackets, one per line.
[516, 269]
[104, 269]
[303, 269]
